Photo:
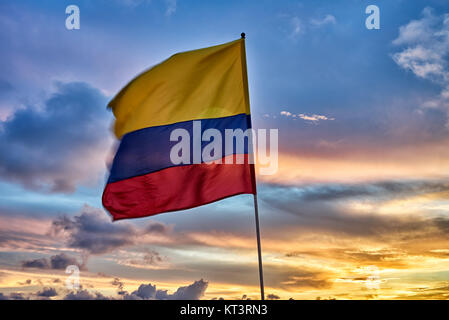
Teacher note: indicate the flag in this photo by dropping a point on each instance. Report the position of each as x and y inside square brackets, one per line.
[191, 91]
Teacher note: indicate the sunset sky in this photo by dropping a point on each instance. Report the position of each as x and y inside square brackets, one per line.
[359, 208]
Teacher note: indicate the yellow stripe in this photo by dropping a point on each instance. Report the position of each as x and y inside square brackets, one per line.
[199, 84]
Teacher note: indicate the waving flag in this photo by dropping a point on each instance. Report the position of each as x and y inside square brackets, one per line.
[193, 91]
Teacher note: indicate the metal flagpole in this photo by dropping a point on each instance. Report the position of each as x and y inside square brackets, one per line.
[259, 249]
[256, 208]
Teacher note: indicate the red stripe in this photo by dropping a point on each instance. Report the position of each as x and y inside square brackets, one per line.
[177, 188]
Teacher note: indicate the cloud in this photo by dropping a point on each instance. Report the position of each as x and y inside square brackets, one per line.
[61, 261]
[328, 19]
[171, 7]
[294, 25]
[418, 31]
[323, 208]
[312, 118]
[47, 292]
[86, 295]
[145, 292]
[152, 257]
[59, 146]
[382, 189]
[192, 292]
[149, 259]
[307, 279]
[26, 282]
[149, 292]
[133, 3]
[286, 113]
[37, 263]
[425, 50]
[12, 296]
[157, 227]
[56, 262]
[296, 28]
[119, 284]
[272, 296]
[94, 233]
[305, 282]
[423, 62]
[19, 232]
[439, 292]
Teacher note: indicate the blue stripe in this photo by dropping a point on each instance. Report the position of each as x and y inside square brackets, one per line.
[148, 150]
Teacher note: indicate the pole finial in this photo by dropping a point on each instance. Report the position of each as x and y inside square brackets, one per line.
[242, 35]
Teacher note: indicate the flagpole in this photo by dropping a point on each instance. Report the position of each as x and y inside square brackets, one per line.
[259, 249]
[256, 207]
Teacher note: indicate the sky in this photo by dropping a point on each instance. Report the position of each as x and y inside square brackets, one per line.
[359, 207]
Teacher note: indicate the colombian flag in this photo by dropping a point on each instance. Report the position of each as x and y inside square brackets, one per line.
[209, 85]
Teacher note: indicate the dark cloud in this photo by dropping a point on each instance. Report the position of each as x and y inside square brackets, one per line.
[85, 295]
[47, 292]
[93, 232]
[195, 291]
[57, 146]
[61, 261]
[145, 292]
[25, 283]
[157, 227]
[192, 292]
[57, 262]
[319, 209]
[17, 296]
[382, 190]
[273, 297]
[442, 223]
[42, 263]
[152, 257]
[13, 296]
[119, 284]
